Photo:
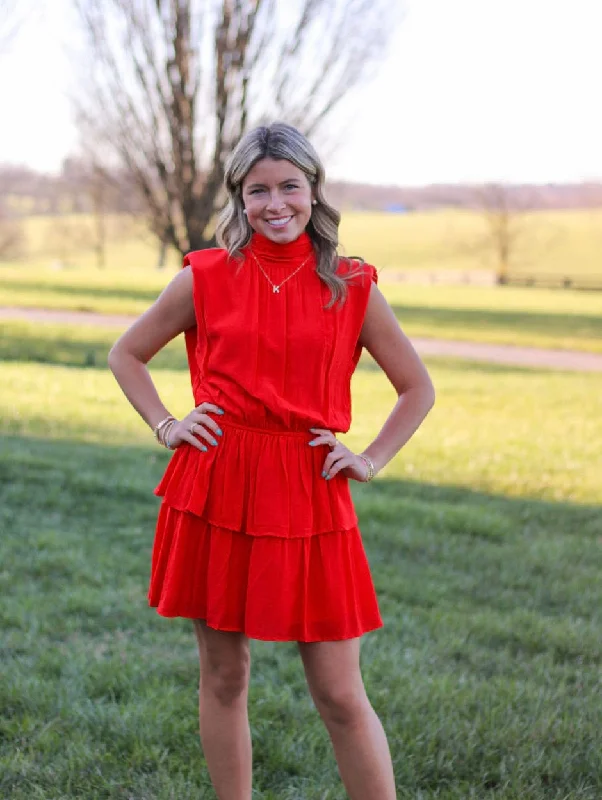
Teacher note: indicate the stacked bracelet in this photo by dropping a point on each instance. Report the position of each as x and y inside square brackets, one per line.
[166, 432]
[368, 462]
[162, 429]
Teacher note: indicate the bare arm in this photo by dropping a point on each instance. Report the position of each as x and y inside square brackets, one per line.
[393, 352]
[171, 314]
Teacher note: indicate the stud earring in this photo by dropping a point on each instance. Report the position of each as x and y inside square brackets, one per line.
[244, 211]
[314, 202]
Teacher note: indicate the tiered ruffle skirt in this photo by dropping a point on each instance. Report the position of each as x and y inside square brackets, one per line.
[250, 538]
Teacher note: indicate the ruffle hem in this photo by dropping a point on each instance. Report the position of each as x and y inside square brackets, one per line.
[250, 539]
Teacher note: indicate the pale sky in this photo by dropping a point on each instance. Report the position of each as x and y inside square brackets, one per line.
[473, 90]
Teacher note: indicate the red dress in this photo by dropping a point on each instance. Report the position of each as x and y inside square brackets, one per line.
[249, 536]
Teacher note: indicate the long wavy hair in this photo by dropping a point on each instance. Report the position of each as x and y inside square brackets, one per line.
[283, 142]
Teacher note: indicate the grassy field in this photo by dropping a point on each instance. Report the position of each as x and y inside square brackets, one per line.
[556, 242]
[484, 540]
[566, 242]
[533, 317]
[427, 241]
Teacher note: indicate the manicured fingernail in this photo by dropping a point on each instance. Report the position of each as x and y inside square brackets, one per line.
[213, 442]
[203, 448]
[312, 444]
[323, 474]
[328, 477]
[220, 411]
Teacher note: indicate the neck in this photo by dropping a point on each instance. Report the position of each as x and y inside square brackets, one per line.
[268, 250]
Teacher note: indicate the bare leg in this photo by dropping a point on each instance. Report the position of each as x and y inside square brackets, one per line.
[223, 716]
[360, 745]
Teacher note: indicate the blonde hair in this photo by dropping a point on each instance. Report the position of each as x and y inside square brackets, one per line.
[283, 142]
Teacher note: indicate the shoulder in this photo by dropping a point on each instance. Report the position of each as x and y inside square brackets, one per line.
[357, 272]
[202, 260]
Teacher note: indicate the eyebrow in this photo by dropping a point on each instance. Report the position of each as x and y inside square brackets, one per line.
[262, 185]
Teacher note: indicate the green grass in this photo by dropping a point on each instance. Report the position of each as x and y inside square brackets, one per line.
[528, 317]
[109, 292]
[426, 241]
[67, 240]
[531, 317]
[483, 536]
[77, 346]
[553, 242]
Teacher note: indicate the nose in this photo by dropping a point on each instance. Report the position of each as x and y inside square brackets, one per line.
[276, 203]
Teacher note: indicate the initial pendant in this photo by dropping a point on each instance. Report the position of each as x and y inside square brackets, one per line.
[276, 289]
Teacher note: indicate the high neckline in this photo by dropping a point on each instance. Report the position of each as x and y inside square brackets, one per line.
[266, 248]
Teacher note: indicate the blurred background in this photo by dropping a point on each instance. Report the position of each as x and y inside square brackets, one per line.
[461, 141]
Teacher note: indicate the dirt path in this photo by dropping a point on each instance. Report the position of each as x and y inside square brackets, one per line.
[497, 353]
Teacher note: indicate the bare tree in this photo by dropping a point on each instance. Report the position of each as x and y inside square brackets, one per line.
[99, 202]
[12, 237]
[86, 179]
[509, 231]
[173, 84]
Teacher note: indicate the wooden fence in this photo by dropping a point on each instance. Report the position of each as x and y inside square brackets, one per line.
[547, 281]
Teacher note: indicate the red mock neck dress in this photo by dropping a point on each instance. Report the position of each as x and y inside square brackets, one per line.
[249, 536]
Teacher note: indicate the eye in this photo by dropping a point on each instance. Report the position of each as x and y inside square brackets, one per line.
[255, 191]
[291, 186]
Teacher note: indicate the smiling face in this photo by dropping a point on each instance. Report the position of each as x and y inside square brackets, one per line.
[277, 197]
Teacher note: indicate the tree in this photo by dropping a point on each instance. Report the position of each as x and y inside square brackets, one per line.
[171, 85]
[100, 204]
[12, 237]
[506, 228]
[87, 181]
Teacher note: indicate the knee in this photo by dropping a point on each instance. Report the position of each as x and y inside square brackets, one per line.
[341, 706]
[227, 683]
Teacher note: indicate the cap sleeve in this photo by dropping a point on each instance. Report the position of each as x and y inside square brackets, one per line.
[356, 271]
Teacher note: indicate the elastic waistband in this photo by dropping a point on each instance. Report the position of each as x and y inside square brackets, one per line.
[267, 431]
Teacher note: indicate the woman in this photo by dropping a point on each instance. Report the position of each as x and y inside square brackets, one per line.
[257, 535]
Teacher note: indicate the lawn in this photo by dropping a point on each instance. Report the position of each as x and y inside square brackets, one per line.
[484, 540]
[427, 242]
[552, 242]
[499, 315]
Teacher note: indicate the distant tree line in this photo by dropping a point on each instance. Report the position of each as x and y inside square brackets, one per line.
[70, 191]
[518, 197]
[73, 189]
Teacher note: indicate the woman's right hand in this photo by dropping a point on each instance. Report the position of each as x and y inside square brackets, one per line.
[196, 424]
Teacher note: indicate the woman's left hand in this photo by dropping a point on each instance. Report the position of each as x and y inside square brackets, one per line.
[340, 458]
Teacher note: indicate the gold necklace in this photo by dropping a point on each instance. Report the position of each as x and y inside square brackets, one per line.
[276, 287]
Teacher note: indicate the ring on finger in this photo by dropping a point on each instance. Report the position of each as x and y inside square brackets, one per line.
[333, 444]
[192, 427]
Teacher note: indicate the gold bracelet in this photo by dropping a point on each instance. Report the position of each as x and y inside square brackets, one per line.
[166, 432]
[368, 462]
[160, 425]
